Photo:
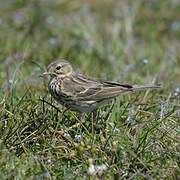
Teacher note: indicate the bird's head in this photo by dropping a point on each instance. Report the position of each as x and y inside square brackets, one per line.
[59, 68]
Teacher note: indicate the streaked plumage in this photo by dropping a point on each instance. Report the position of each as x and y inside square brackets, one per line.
[80, 93]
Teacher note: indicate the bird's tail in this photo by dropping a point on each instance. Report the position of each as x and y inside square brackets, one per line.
[143, 87]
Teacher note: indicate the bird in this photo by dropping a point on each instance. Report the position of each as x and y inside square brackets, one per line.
[81, 93]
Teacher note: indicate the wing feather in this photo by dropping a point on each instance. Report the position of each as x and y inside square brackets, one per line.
[84, 89]
[102, 93]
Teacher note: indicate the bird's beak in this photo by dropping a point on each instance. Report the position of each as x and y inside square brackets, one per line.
[46, 73]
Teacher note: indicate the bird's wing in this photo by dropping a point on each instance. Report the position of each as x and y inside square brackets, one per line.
[84, 89]
[105, 90]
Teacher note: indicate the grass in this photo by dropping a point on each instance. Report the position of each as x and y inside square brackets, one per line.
[137, 137]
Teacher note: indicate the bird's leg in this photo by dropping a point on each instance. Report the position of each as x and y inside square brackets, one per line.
[94, 115]
[81, 116]
[93, 120]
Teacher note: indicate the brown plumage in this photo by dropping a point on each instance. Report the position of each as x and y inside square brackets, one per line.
[80, 93]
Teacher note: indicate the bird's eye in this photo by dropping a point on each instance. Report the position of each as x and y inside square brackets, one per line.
[58, 67]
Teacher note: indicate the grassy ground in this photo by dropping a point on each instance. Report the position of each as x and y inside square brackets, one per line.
[128, 41]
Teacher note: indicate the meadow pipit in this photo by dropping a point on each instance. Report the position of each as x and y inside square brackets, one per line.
[80, 93]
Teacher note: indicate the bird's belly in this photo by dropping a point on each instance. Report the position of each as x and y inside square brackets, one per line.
[87, 106]
[83, 107]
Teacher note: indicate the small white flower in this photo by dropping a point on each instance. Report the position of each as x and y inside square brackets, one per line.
[177, 91]
[131, 119]
[100, 169]
[116, 130]
[49, 161]
[91, 170]
[96, 169]
[145, 61]
[50, 19]
[10, 82]
[52, 41]
[77, 138]
[66, 134]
